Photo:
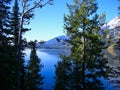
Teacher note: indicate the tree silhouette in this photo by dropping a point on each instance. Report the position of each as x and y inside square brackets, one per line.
[34, 79]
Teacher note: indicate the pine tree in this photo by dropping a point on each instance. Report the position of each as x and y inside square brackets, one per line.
[7, 69]
[25, 17]
[15, 19]
[4, 22]
[9, 53]
[88, 41]
[15, 25]
[15, 28]
[33, 76]
[63, 74]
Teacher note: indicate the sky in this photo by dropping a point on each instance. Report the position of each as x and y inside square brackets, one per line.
[48, 21]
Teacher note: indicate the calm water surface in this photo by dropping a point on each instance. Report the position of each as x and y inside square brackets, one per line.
[49, 58]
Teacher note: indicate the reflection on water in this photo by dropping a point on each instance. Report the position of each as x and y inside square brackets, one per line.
[49, 58]
[114, 62]
[55, 51]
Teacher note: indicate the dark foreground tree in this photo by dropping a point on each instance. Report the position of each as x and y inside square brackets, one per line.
[34, 79]
[63, 74]
[12, 43]
[28, 6]
[15, 24]
[7, 68]
[88, 41]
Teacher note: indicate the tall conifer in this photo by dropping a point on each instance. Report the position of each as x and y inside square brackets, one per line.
[63, 74]
[15, 25]
[15, 21]
[88, 41]
[28, 6]
[7, 69]
[34, 79]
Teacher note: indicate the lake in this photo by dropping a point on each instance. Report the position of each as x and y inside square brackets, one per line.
[49, 58]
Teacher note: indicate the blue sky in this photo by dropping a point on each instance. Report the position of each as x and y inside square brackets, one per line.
[48, 21]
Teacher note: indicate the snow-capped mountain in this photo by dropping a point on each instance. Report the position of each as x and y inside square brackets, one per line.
[60, 41]
[57, 42]
[115, 22]
[114, 27]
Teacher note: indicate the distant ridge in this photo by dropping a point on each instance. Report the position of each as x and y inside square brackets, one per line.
[57, 43]
[114, 27]
[60, 41]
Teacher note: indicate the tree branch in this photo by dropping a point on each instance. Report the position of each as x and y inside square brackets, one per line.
[37, 5]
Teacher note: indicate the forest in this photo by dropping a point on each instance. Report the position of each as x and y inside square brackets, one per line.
[79, 71]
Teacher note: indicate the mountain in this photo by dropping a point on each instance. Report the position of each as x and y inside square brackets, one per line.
[57, 42]
[60, 41]
[114, 27]
[112, 53]
[115, 22]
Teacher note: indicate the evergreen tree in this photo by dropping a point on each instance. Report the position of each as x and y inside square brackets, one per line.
[7, 55]
[15, 28]
[4, 22]
[88, 41]
[15, 19]
[33, 76]
[63, 74]
[15, 25]
[26, 14]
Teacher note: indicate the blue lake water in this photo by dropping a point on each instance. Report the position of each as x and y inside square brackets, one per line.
[49, 58]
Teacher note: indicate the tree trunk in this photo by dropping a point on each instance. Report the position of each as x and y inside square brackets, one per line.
[20, 86]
